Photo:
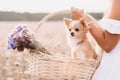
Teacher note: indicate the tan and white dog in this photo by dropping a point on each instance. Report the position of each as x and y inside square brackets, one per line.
[78, 40]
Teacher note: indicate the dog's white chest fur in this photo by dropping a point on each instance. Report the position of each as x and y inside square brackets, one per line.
[73, 42]
[77, 49]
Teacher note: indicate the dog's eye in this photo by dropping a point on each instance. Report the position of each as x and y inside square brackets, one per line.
[76, 29]
[69, 29]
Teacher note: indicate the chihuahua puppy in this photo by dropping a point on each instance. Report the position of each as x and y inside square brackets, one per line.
[78, 40]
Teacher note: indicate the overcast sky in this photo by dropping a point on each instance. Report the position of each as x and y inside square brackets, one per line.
[52, 5]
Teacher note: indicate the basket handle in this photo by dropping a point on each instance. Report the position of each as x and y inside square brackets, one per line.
[54, 14]
[50, 16]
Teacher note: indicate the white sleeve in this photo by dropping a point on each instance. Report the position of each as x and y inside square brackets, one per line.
[112, 26]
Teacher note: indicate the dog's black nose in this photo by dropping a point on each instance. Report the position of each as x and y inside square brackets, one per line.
[72, 33]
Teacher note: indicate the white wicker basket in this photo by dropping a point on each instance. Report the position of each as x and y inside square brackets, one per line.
[46, 67]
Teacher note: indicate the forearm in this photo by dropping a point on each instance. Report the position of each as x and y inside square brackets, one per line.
[105, 40]
[98, 35]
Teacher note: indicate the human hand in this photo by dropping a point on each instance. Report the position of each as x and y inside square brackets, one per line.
[88, 19]
[80, 14]
[76, 13]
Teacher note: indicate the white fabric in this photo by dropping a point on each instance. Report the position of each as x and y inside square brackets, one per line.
[112, 26]
[109, 68]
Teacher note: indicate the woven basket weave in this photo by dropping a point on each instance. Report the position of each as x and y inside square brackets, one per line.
[47, 67]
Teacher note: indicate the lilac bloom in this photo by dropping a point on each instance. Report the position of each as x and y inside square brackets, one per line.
[11, 43]
[21, 39]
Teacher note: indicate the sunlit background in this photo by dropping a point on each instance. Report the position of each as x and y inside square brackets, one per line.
[52, 34]
[52, 5]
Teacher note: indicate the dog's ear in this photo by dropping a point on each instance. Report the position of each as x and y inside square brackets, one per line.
[67, 21]
[81, 21]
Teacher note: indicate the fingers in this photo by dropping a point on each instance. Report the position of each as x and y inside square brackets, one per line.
[73, 9]
[76, 9]
[76, 13]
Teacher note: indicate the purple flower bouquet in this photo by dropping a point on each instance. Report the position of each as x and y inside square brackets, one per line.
[22, 38]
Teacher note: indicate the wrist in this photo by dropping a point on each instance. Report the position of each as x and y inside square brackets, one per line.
[90, 24]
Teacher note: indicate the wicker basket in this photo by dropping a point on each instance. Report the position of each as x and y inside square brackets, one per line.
[47, 67]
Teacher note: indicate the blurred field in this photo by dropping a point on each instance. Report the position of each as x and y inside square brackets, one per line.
[50, 34]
